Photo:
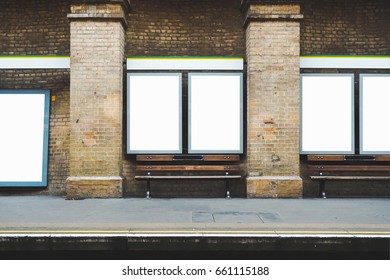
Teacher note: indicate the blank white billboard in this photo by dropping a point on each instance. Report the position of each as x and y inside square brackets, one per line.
[327, 114]
[154, 113]
[24, 125]
[215, 108]
[374, 114]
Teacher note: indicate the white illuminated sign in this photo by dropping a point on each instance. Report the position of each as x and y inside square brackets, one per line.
[24, 121]
[374, 114]
[215, 113]
[327, 115]
[154, 113]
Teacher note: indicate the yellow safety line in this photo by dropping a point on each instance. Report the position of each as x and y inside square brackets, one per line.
[202, 231]
[345, 232]
[64, 231]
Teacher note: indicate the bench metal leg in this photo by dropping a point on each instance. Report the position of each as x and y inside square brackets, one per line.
[148, 189]
[322, 189]
[227, 189]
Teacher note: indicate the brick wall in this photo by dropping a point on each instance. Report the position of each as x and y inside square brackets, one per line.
[273, 98]
[272, 48]
[185, 27]
[57, 81]
[96, 85]
[34, 27]
[172, 27]
[96, 79]
[38, 28]
[345, 27]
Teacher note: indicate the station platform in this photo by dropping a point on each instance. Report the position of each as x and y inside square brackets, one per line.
[337, 226]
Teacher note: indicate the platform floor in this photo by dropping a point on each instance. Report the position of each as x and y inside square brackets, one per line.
[237, 224]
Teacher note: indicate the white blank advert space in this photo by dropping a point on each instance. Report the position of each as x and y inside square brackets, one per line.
[22, 137]
[375, 113]
[215, 113]
[327, 114]
[155, 109]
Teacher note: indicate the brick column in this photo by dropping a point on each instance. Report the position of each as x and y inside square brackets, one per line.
[96, 84]
[272, 48]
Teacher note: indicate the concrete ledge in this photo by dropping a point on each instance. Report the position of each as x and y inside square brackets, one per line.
[94, 187]
[196, 243]
[112, 11]
[274, 187]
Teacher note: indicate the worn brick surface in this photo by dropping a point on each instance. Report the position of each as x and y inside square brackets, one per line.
[96, 98]
[96, 84]
[58, 83]
[185, 27]
[94, 187]
[40, 28]
[273, 99]
[274, 187]
[34, 27]
[345, 27]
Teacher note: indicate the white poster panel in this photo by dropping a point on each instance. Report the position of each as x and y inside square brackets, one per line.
[327, 115]
[215, 113]
[374, 114]
[154, 113]
[24, 137]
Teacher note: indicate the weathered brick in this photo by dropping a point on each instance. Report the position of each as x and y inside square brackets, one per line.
[96, 79]
[273, 103]
[94, 187]
[345, 27]
[274, 187]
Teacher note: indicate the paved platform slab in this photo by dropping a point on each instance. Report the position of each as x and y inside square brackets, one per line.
[53, 223]
[50, 212]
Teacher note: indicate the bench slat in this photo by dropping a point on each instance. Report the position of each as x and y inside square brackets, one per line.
[154, 158]
[348, 157]
[221, 158]
[349, 167]
[355, 164]
[146, 177]
[158, 164]
[325, 158]
[187, 167]
[382, 158]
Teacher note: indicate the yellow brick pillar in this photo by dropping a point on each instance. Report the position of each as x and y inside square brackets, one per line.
[272, 49]
[97, 43]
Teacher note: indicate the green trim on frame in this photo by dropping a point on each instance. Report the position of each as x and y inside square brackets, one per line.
[345, 56]
[34, 56]
[184, 57]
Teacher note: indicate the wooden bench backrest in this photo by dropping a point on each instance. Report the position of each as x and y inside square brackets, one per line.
[348, 158]
[349, 167]
[187, 163]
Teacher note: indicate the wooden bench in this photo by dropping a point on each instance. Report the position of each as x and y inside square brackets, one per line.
[353, 165]
[161, 167]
